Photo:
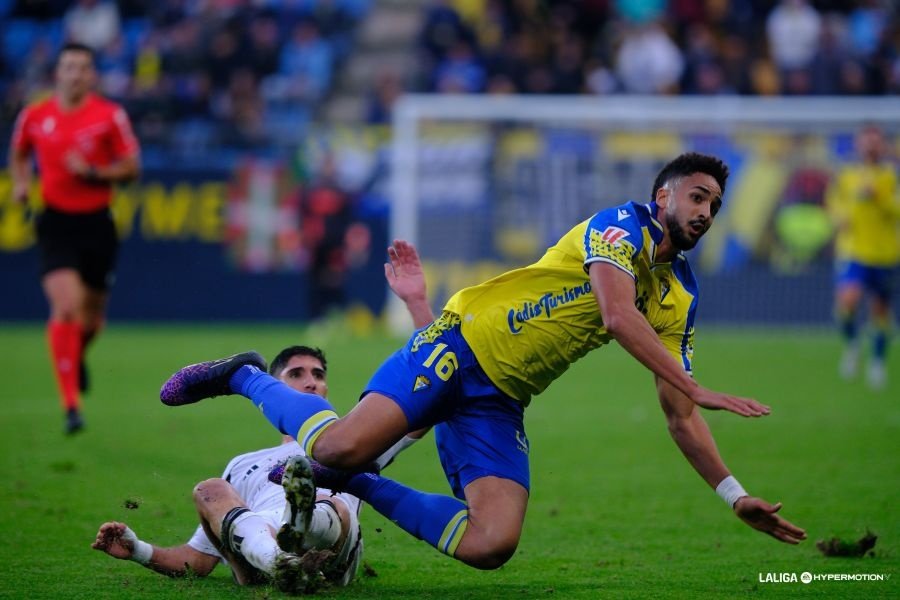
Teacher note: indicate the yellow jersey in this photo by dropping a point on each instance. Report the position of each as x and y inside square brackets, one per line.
[528, 325]
[864, 204]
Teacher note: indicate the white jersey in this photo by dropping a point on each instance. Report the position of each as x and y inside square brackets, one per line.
[249, 475]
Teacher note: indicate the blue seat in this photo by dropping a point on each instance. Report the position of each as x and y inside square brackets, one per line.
[19, 35]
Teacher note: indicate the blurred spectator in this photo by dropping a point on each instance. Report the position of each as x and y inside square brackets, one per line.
[866, 23]
[640, 11]
[599, 78]
[381, 100]
[648, 62]
[326, 216]
[793, 30]
[94, 23]
[830, 60]
[735, 61]
[702, 74]
[264, 45]
[442, 28]
[224, 56]
[306, 61]
[460, 71]
[115, 66]
[241, 109]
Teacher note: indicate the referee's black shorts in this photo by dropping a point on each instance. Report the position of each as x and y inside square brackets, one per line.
[86, 242]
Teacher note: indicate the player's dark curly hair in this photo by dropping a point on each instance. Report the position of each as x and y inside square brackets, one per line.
[688, 164]
[279, 362]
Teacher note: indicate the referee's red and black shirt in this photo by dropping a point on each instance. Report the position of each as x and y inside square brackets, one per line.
[99, 130]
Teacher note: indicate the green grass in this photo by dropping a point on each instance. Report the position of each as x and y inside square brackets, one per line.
[615, 510]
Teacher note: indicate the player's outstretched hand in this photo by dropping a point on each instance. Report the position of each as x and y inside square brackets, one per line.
[113, 539]
[746, 407]
[759, 514]
[404, 272]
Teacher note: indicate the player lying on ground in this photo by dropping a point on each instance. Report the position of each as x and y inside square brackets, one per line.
[620, 275]
[243, 504]
[241, 512]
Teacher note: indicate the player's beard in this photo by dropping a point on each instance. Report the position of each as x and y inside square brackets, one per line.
[680, 238]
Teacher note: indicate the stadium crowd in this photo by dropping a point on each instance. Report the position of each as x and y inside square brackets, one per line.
[755, 47]
[246, 72]
[242, 69]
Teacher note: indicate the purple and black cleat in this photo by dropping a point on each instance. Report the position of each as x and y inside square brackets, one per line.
[325, 477]
[206, 379]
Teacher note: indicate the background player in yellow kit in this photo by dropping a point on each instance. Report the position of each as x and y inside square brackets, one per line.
[863, 201]
[472, 372]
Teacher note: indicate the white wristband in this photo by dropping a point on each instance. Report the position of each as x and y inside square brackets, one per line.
[142, 551]
[730, 490]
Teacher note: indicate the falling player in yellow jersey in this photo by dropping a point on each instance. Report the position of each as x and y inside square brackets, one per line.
[620, 275]
[864, 203]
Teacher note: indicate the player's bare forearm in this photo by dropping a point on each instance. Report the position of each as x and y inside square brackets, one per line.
[117, 540]
[615, 292]
[122, 171]
[406, 278]
[182, 560]
[691, 433]
[420, 312]
[20, 171]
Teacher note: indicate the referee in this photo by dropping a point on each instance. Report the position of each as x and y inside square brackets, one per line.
[83, 144]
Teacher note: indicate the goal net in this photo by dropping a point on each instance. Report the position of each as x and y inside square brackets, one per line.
[483, 184]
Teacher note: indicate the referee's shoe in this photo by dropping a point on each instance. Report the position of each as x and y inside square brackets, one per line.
[74, 423]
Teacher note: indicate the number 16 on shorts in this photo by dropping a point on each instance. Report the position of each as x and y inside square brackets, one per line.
[444, 363]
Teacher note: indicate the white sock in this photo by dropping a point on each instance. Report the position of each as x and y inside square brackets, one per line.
[389, 454]
[258, 546]
[325, 528]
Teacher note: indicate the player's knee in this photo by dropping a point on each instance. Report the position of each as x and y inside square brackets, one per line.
[491, 556]
[487, 548]
[65, 312]
[209, 491]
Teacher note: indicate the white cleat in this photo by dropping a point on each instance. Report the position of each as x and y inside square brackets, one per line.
[876, 377]
[849, 366]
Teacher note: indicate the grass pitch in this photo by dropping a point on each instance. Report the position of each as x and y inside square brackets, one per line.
[615, 510]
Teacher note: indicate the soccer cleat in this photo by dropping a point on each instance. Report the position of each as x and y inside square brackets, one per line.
[335, 480]
[298, 574]
[876, 376]
[74, 423]
[300, 497]
[206, 379]
[849, 363]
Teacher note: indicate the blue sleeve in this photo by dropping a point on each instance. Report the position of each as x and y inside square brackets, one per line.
[614, 236]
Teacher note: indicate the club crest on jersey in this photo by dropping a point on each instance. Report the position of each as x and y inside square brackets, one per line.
[422, 383]
[664, 288]
[613, 235]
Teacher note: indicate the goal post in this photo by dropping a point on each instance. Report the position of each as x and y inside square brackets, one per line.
[485, 183]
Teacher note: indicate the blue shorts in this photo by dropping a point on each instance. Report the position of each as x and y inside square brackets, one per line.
[436, 380]
[875, 280]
